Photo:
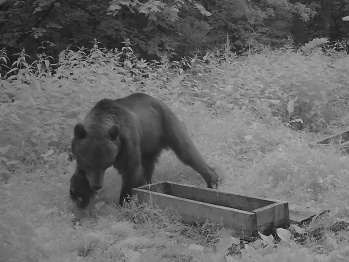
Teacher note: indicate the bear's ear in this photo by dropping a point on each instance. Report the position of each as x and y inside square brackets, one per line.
[80, 131]
[113, 132]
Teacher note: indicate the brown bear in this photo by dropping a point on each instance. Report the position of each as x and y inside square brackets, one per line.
[129, 133]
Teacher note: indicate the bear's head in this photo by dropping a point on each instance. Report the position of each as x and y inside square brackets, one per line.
[95, 149]
[80, 191]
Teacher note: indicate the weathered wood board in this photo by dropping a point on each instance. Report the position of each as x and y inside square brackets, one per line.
[335, 139]
[246, 215]
[340, 140]
[302, 214]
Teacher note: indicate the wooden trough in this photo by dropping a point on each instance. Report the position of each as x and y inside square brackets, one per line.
[246, 215]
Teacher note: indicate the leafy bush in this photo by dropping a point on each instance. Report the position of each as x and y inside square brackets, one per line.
[290, 84]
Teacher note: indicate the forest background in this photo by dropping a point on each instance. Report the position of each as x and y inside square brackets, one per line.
[255, 82]
[175, 28]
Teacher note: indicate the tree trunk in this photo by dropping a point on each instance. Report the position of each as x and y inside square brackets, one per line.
[298, 27]
[298, 30]
[326, 8]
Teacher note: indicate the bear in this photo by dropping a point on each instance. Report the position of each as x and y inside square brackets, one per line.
[80, 190]
[129, 134]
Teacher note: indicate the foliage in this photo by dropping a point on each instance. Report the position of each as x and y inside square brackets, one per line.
[174, 28]
[223, 101]
[327, 19]
[279, 81]
[164, 28]
[313, 44]
[250, 23]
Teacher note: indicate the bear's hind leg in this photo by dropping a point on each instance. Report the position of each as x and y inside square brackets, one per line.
[189, 155]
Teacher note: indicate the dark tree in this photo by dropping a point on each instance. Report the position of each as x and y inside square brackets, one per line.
[326, 8]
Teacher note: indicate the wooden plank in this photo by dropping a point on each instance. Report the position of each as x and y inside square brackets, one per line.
[220, 198]
[301, 214]
[243, 223]
[335, 139]
[273, 216]
[161, 187]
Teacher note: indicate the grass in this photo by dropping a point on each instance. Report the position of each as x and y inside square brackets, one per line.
[253, 152]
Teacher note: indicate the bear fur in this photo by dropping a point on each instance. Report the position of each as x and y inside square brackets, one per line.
[80, 190]
[129, 134]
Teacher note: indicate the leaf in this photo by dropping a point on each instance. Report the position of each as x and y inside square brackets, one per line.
[268, 239]
[14, 118]
[3, 159]
[249, 250]
[290, 105]
[71, 167]
[196, 247]
[48, 153]
[3, 150]
[151, 7]
[114, 9]
[13, 162]
[173, 14]
[226, 242]
[202, 10]
[248, 138]
[274, 102]
[298, 229]
[284, 234]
